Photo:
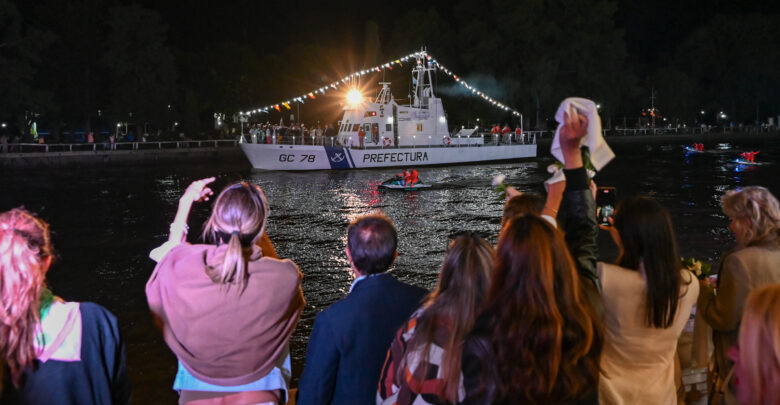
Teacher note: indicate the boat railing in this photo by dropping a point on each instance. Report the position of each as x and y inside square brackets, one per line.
[475, 140]
[113, 147]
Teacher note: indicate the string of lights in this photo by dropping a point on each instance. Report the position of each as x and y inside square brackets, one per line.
[388, 65]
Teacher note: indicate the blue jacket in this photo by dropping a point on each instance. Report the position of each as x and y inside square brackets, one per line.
[349, 341]
[100, 377]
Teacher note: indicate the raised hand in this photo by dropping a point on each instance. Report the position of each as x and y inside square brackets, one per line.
[575, 126]
[198, 191]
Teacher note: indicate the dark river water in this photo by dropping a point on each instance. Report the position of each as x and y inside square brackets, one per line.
[105, 222]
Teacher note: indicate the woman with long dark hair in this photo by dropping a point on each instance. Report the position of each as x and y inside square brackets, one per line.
[648, 298]
[423, 364]
[54, 351]
[228, 307]
[538, 340]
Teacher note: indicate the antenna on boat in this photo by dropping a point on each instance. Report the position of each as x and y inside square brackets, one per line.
[385, 96]
[422, 80]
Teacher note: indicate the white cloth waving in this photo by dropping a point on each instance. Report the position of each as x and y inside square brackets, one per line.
[600, 153]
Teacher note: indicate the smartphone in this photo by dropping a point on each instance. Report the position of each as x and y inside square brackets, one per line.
[605, 204]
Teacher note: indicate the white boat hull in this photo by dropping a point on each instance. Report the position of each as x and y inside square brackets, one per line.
[308, 157]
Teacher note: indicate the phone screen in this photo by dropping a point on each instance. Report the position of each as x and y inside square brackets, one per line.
[605, 204]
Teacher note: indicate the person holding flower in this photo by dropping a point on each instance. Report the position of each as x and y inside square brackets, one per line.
[755, 222]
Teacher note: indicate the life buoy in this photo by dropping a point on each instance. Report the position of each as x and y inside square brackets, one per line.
[446, 140]
[387, 141]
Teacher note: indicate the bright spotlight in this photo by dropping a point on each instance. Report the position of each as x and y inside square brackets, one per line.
[354, 97]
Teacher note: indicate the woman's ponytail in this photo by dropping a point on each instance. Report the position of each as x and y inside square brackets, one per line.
[234, 266]
[237, 219]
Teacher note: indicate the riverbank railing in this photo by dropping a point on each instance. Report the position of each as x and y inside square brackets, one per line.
[113, 147]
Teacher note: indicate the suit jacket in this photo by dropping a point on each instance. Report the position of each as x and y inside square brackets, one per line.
[741, 272]
[349, 341]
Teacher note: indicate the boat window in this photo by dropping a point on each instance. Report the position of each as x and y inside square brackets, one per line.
[419, 127]
[388, 127]
[355, 127]
[367, 128]
[369, 114]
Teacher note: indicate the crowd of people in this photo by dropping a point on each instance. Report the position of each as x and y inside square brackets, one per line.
[504, 135]
[536, 319]
[274, 133]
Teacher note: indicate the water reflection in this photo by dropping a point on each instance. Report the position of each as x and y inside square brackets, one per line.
[106, 221]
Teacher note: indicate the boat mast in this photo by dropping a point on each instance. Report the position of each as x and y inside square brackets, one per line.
[384, 96]
[422, 80]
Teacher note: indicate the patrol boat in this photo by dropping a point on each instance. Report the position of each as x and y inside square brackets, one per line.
[384, 133]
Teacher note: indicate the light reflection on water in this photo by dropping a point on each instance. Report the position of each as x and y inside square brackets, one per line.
[106, 221]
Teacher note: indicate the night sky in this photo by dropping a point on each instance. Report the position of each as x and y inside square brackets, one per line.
[652, 29]
[207, 57]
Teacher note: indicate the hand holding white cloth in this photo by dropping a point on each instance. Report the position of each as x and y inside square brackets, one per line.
[600, 153]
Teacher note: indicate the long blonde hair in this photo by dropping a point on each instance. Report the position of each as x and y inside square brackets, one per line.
[238, 218]
[760, 208]
[759, 345]
[25, 254]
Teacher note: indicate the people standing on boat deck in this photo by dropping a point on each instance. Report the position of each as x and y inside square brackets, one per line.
[505, 133]
[519, 135]
[361, 137]
[349, 340]
[495, 132]
[329, 131]
[375, 133]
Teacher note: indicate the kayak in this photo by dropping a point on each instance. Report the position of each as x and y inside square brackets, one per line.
[691, 149]
[745, 162]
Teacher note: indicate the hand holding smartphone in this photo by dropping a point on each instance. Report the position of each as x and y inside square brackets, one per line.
[605, 204]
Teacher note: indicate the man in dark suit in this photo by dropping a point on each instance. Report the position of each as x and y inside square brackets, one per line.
[349, 342]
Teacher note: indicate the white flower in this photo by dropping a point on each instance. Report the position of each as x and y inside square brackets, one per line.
[498, 180]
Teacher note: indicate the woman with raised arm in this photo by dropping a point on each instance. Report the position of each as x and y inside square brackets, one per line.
[648, 298]
[423, 364]
[228, 307]
[54, 351]
[755, 262]
[538, 340]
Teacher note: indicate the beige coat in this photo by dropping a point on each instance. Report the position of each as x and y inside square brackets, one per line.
[741, 272]
[637, 363]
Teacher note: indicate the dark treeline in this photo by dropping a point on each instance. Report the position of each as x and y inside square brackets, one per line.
[88, 64]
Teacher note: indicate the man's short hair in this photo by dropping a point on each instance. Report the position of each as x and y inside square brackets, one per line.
[372, 241]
